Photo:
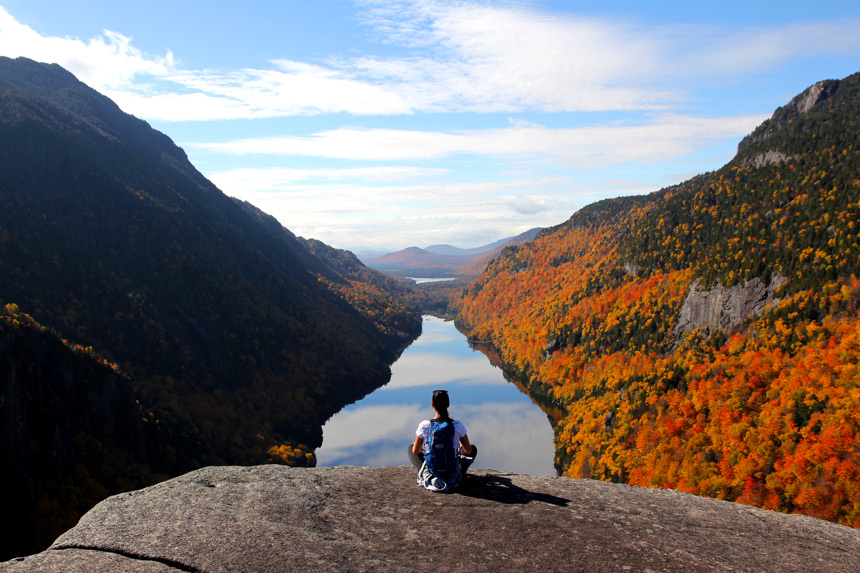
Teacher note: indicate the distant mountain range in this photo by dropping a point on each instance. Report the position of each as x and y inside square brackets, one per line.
[438, 261]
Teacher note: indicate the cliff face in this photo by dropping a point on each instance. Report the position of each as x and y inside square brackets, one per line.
[274, 518]
[798, 107]
[70, 430]
[722, 308]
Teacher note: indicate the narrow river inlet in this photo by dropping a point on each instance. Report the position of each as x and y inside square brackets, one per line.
[512, 433]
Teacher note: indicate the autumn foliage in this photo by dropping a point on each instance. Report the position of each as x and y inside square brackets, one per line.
[766, 413]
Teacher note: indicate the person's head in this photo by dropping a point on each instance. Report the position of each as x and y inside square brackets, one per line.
[440, 404]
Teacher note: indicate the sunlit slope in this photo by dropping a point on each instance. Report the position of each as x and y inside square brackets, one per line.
[705, 337]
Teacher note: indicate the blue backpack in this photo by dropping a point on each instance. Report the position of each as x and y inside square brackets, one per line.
[441, 458]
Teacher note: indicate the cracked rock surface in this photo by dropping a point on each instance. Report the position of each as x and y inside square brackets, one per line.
[275, 518]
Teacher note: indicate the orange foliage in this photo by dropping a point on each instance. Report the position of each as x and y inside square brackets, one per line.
[292, 455]
[769, 416]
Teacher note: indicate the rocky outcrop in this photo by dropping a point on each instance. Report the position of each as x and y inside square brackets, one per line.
[768, 158]
[632, 269]
[814, 94]
[275, 518]
[723, 308]
[799, 106]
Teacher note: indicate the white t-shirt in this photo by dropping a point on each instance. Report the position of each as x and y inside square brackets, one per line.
[424, 431]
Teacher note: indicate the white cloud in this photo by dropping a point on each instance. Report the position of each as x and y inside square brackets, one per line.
[171, 106]
[347, 214]
[666, 136]
[289, 89]
[243, 180]
[454, 56]
[107, 62]
[467, 57]
[528, 205]
[489, 57]
[156, 88]
[418, 206]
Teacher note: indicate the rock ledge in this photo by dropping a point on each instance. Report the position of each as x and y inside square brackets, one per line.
[276, 518]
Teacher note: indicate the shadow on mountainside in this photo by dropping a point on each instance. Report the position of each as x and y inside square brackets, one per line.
[493, 487]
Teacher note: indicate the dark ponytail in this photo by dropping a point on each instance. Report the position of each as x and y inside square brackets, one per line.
[440, 403]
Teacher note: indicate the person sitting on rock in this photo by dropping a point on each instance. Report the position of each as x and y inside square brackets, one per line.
[441, 463]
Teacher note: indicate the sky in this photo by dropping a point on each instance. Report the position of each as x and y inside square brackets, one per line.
[384, 124]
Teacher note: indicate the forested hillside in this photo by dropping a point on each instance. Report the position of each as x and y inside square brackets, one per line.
[382, 300]
[239, 339]
[72, 433]
[705, 337]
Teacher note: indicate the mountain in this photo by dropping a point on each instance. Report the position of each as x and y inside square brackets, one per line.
[365, 255]
[414, 261]
[449, 250]
[238, 339]
[705, 337]
[381, 299]
[443, 260]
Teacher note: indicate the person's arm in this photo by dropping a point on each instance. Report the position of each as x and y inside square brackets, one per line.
[417, 446]
[465, 445]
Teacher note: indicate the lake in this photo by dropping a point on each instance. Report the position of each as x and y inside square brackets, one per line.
[420, 280]
[512, 433]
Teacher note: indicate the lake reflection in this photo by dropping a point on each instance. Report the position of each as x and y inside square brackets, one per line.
[511, 432]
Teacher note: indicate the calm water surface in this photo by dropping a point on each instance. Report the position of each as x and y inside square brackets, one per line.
[420, 280]
[512, 433]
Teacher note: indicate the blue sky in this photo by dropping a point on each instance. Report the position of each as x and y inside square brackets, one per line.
[391, 123]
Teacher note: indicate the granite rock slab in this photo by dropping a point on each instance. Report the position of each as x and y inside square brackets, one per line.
[275, 518]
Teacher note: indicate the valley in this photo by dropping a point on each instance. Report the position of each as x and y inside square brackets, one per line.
[704, 337]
